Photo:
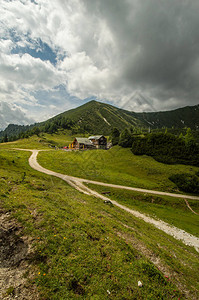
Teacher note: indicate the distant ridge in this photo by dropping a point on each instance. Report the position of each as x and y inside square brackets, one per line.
[99, 118]
[182, 117]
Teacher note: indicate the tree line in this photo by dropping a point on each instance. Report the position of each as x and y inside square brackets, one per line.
[162, 146]
[15, 132]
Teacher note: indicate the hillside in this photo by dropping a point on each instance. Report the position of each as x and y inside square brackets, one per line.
[14, 130]
[179, 118]
[99, 118]
[84, 248]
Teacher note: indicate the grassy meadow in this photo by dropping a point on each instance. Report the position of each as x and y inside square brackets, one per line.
[117, 165]
[171, 210]
[43, 141]
[86, 249]
[120, 166]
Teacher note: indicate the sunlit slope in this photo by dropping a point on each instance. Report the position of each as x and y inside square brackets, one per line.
[99, 118]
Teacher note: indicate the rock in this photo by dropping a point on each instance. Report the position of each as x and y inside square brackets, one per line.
[108, 202]
[140, 284]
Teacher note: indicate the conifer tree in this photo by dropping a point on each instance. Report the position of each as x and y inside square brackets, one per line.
[125, 139]
[115, 135]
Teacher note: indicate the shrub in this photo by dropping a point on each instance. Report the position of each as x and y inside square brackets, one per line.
[197, 173]
[125, 139]
[115, 136]
[186, 182]
[166, 148]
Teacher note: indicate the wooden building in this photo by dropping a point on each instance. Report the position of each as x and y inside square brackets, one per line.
[93, 142]
[99, 141]
[82, 143]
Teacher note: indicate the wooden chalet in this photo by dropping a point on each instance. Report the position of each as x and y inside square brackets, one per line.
[99, 141]
[82, 143]
[93, 142]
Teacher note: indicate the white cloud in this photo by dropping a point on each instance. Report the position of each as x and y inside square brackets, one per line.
[68, 28]
[32, 73]
[11, 114]
[83, 77]
[6, 46]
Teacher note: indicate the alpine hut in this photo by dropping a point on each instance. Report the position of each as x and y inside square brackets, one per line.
[99, 141]
[82, 143]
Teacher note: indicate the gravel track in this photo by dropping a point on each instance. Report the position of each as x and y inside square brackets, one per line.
[77, 183]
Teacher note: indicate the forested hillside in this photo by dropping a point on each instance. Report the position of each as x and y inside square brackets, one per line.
[100, 118]
[179, 118]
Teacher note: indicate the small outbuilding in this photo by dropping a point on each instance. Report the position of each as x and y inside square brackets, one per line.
[99, 141]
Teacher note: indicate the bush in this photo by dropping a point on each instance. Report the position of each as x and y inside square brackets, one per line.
[166, 148]
[125, 139]
[115, 136]
[186, 182]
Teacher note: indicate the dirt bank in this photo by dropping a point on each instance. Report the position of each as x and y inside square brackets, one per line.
[15, 253]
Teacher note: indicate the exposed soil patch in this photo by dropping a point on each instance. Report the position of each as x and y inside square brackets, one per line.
[189, 207]
[15, 251]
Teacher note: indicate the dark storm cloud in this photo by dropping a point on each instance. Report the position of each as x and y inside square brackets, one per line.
[10, 114]
[158, 44]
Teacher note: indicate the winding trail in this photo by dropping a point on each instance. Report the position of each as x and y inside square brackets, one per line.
[77, 183]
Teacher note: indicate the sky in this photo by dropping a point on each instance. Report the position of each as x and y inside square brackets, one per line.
[57, 55]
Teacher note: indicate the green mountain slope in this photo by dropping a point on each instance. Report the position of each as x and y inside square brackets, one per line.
[182, 117]
[99, 118]
[14, 130]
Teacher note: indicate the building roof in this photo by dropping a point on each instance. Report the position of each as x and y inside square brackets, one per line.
[95, 137]
[84, 141]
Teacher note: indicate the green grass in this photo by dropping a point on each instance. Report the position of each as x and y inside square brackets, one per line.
[60, 139]
[82, 245]
[171, 210]
[117, 165]
[33, 142]
[43, 141]
[10, 290]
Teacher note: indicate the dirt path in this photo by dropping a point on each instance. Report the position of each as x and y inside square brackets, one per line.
[77, 183]
[189, 207]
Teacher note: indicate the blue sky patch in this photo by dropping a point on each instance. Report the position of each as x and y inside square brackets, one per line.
[38, 50]
[56, 96]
